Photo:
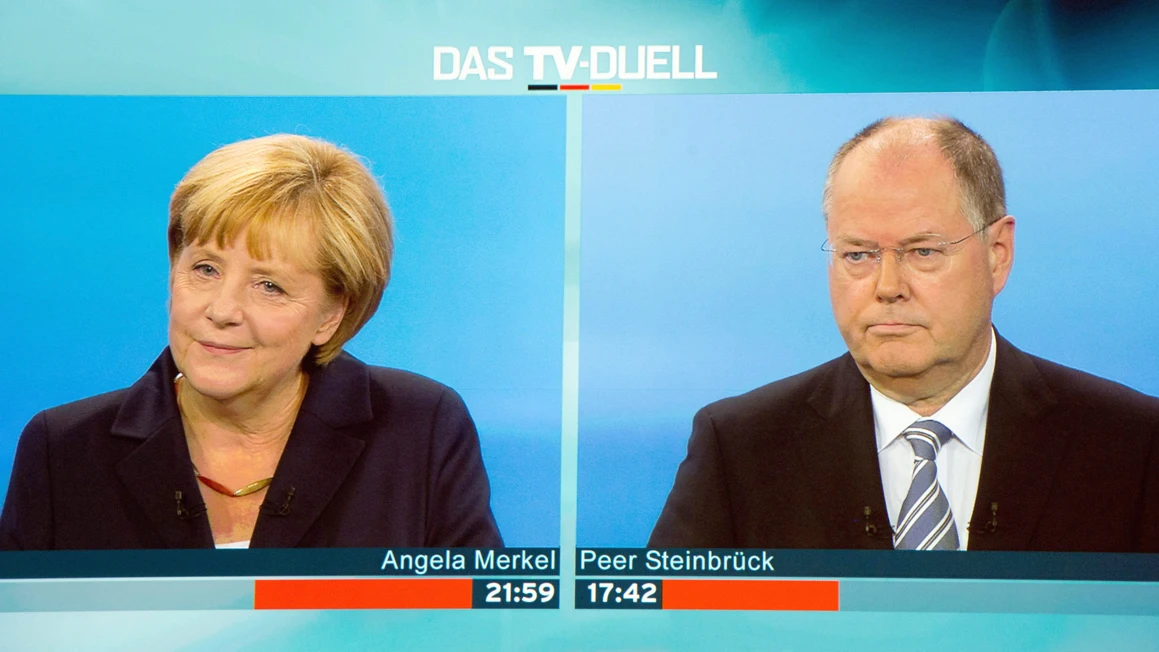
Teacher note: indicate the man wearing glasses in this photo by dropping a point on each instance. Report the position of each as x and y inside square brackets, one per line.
[933, 432]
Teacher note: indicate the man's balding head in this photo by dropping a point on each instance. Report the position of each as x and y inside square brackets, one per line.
[982, 193]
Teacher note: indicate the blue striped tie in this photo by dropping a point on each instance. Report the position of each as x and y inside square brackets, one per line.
[926, 522]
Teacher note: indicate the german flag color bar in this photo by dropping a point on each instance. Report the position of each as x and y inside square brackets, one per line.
[407, 593]
[575, 87]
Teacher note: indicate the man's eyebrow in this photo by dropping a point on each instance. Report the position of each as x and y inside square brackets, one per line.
[923, 237]
[856, 242]
[920, 237]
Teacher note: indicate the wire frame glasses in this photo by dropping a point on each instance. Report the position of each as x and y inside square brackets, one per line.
[925, 256]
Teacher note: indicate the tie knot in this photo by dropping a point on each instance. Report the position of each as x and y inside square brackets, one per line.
[927, 438]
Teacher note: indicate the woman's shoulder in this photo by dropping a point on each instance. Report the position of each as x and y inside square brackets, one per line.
[396, 385]
[133, 410]
[390, 379]
[88, 414]
[388, 405]
[407, 382]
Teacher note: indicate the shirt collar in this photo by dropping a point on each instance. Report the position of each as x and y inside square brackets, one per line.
[964, 414]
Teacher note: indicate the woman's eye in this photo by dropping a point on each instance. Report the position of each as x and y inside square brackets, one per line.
[269, 287]
[205, 269]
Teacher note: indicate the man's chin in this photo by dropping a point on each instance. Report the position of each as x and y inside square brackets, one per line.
[891, 365]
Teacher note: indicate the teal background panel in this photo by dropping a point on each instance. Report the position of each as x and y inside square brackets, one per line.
[127, 595]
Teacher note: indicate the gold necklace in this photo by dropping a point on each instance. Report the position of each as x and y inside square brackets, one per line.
[250, 488]
[253, 487]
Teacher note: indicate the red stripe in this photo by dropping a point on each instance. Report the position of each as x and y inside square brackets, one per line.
[778, 595]
[363, 594]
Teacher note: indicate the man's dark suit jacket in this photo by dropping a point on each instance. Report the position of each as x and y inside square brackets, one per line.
[377, 458]
[1071, 460]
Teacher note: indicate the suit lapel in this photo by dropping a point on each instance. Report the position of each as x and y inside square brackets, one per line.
[319, 454]
[1021, 454]
[840, 458]
[314, 465]
[159, 468]
[317, 459]
[159, 476]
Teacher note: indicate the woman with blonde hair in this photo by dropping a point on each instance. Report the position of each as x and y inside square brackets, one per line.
[253, 428]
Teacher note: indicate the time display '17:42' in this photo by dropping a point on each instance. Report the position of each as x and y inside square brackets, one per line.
[618, 594]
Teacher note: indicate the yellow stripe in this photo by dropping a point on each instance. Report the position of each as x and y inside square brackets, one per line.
[607, 87]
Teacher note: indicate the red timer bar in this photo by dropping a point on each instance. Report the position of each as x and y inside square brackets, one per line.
[363, 594]
[408, 593]
[765, 595]
[707, 594]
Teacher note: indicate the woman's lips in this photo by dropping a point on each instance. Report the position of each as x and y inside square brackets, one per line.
[221, 349]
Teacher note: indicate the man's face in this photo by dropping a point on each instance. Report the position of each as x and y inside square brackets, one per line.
[912, 331]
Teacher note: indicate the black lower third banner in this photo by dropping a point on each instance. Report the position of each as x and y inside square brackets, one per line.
[793, 563]
[289, 562]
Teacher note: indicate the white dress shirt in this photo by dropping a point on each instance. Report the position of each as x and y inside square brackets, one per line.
[959, 461]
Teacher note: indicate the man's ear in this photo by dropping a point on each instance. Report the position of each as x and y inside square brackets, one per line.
[1001, 251]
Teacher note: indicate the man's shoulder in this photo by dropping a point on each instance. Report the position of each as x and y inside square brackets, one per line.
[1074, 389]
[784, 401]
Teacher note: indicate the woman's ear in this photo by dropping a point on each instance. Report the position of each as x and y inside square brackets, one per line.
[331, 319]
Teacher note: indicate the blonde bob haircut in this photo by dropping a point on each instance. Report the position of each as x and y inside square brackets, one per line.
[310, 201]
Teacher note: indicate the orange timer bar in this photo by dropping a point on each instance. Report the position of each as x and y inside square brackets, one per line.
[708, 594]
[407, 593]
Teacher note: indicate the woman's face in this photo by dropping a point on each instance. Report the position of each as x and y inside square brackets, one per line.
[239, 326]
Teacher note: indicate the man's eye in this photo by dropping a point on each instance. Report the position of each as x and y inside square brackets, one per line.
[855, 256]
[925, 252]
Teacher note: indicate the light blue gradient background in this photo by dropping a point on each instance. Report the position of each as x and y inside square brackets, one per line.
[702, 275]
[475, 300]
[578, 630]
[383, 47]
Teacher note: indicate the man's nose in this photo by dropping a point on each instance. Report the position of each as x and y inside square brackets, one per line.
[892, 282]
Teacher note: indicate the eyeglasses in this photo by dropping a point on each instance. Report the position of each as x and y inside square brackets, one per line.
[926, 256]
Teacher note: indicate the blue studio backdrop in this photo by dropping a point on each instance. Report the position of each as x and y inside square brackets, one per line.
[588, 253]
[475, 297]
[703, 276]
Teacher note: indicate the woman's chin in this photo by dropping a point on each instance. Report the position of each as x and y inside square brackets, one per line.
[216, 387]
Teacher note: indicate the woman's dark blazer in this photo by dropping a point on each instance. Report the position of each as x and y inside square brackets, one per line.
[377, 458]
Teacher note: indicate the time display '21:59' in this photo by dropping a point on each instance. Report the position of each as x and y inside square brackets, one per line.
[517, 592]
